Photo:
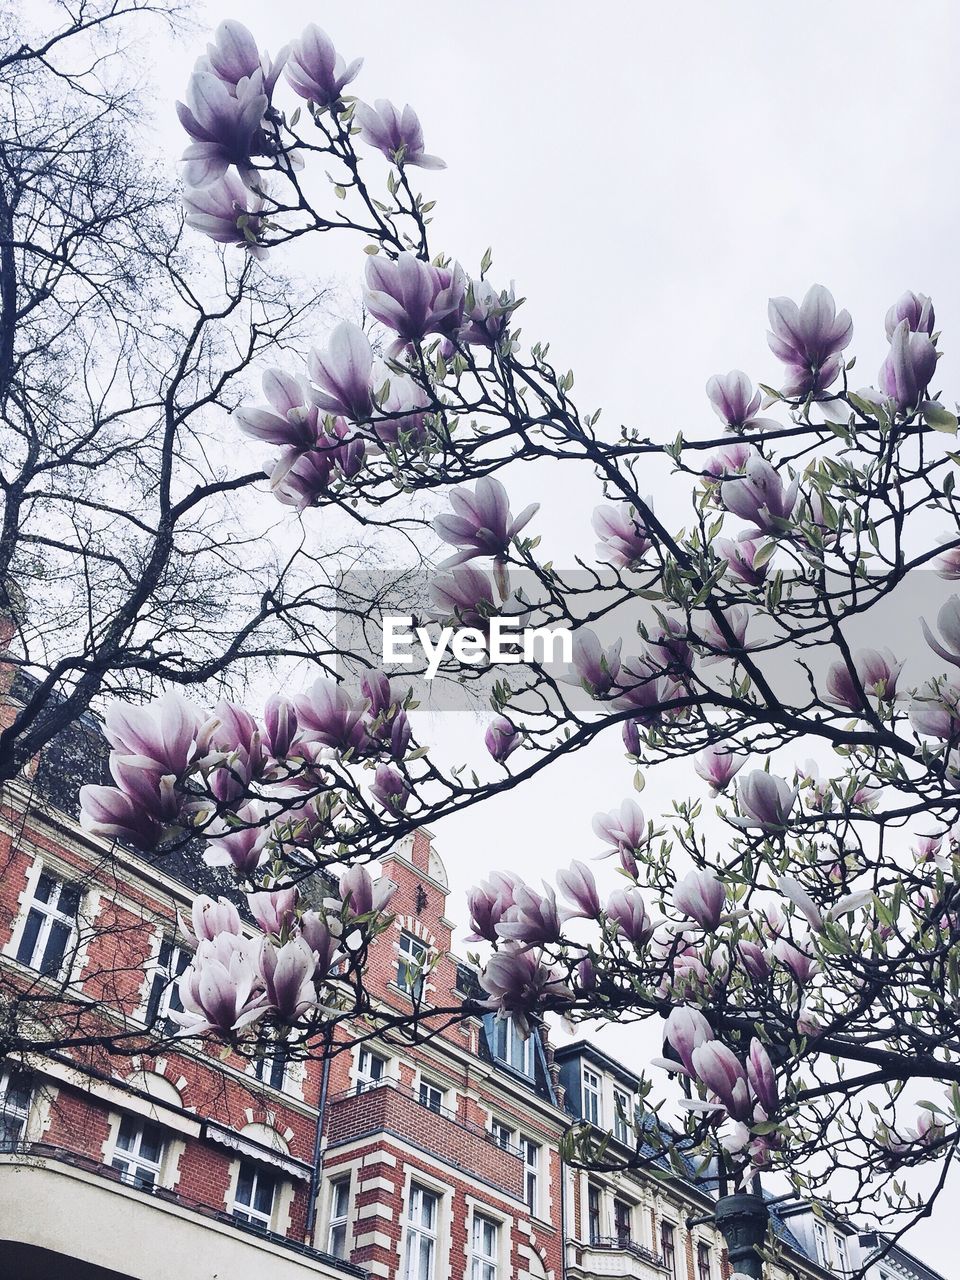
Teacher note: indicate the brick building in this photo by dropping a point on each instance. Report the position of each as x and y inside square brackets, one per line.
[425, 1161]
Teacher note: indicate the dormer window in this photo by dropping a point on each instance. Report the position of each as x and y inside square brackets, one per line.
[591, 1086]
[510, 1047]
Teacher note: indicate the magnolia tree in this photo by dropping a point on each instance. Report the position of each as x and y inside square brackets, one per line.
[799, 933]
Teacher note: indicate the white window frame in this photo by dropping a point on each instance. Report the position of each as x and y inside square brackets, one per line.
[417, 1230]
[621, 1123]
[591, 1086]
[411, 965]
[822, 1242]
[514, 1046]
[166, 974]
[248, 1212]
[484, 1263]
[530, 1151]
[841, 1253]
[631, 1220]
[50, 915]
[366, 1078]
[339, 1222]
[502, 1133]
[140, 1170]
[667, 1226]
[8, 1111]
[425, 1092]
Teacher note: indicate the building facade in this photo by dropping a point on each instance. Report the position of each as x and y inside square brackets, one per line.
[432, 1160]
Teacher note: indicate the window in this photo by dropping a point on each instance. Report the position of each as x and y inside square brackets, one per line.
[420, 1237]
[622, 1222]
[622, 1115]
[840, 1250]
[510, 1047]
[164, 996]
[668, 1248]
[270, 1066]
[591, 1096]
[486, 1244]
[593, 1213]
[823, 1244]
[254, 1199]
[502, 1134]
[16, 1091]
[431, 1096]
[371, 1069]
[704, 1270]
[138, 1151]
[50, 925]
[410, 965]
[339, 1214]
[531, 1173]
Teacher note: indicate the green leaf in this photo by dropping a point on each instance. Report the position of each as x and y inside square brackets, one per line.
[936, 416]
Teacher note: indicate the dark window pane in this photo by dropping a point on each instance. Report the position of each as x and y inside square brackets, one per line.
[70, 895]
[245, 1184]
[28, 941]
[127, 1133]
[264, 1200]
[151, 1144]
[56, 947]
[44, 889]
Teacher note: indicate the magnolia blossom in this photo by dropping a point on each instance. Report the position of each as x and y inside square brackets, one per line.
[113, 815]
[734, 400]
[718, 766]
[209, 918]
[414, 298]
[233, 56]
[948, 624]
[323, 937]
[722, 1072]
[624, 540]
[481, 523]
[623, 829]
[288, 977]
[668, 645]
[390, 789]
[628, 911]
[228, 212]
[876, 673]
[701, 896]
[730, 460]
[301, 479]
[398, 134]
[801, 965]
[225, 123]
[501, 738]
[759, 495]
[328, 715]
[737, 619]
[486, 314]
[487, 903]
[754, 960]
[594, 667]
[343, 373]
[686, 1030]
[765, 801]
[519, 984]
[577, 884]
[404, 422]
[532, 919]
[221, 990]
[243, 848]
[280, 725]
[909, 366]
[914, 309]
[947, 564]
[315, 70]
[795, 892]
[291, 420]
[274, 910]
[360, 895]
[808, 340]
[740, 556]
[938, 716]
[164, 733]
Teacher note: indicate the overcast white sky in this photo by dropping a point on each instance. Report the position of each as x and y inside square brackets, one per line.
[649, 174]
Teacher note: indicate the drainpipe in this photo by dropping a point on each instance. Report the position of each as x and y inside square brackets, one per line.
[314, 1192]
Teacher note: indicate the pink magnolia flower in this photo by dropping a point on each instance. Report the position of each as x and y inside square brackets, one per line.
[209, 918]
[328, 715]
[228, 213]
[314, 69]
[390, 789]
[287, 973]
[220, 990]
[765, 801]
[759, 495]
[502, 738]
[481, 523]
[291, 421]
[274, 910]
[322, 936]
[520, 984]
[909, 366]
[876, 673]
[242, 848]
[730, 460]
[740, 556]
[225, 123]
[916, 309]
[624, 539]
[233, 56]
[701, 897]
[164, 732]
[624, 830]
[397, 134]
[948, 624]
[280, 726]
[721, 1071]
[792, 889]
[532, 919]
[947, 564]
[686, 1030]
[360, 895]
[414, 298]
[486, 314]
[718, 766]
[487, 904]
[800, 965]
[737, 618]
[343, 372]
[754, 960]
[808, 340]
[577, 884]
[113, 815]
[761, 1077]
[628, 911]
[594, 668]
